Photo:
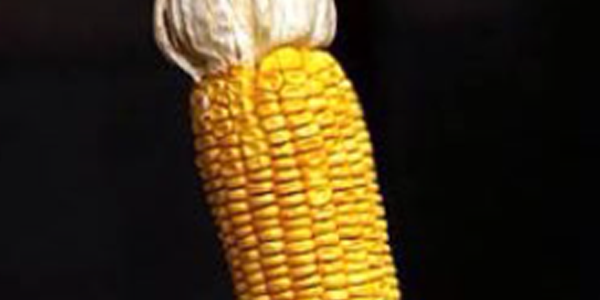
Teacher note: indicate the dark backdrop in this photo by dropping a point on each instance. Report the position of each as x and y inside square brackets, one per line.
[99, 198]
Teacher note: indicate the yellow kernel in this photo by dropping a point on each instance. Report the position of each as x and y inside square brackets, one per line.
[357, 256]
[248, 242]
[287, 175]
[261, 175]
[332, 267]
[309, 144]
[261, 187]
[284, 150]
[230, 154]
[223, 128]
[258, 162]
[289, 188]
[280, 137]
[363, 207]
[235, 182]
[255, 278]
[329, 77]
[316, 173]
[328, 119]
[296, 77]
[315, 87]
[297, 223]
[276, 272]
[307, 282]
[271, 234]
[300, 119]
[390, 270]
[318, 61]
[209, 141]
[241, 219]
[330, 239]
[345, 85]
[267, 212]
[381, 225]
[237, 207]
[354, 157]
[287, 295]
[293, 105]
[262, 224]
[300, 247]
[334, 281]
[349, 219]
[269, 64]
[231, 140]
[378, 273]
[323, 214]
[237, 194]
[300, 261]
[271, 81]
[289, 58]
[251, 255]
[343, 197]
[250, 267]
[319, 197]
[356, 268]
[310, 292]
[349, 232]
[254, 148]
[271, 248]
[342, 183]
[302, 271]
[309, 160]
[293, 92]
[329, 253]
[266, 96]
[284, 163]
[307, 131]
[298, 234]
[324, 227]
[292, 213]
[279, 285]
[317, 103]
[362, 290]
[336, 295]
[274, 123]
[212, 154]
[337, 159]
[292, 200]
[232, 168]
[394, 293]
[340, 172]
[243, 231]
[357, 278]
[262, 200]
[274, 260]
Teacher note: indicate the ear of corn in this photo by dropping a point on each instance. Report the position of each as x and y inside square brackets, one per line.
[288, 171]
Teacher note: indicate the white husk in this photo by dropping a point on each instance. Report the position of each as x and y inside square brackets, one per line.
[206, 36]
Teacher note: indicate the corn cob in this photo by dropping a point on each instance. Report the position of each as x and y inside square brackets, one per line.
[288, 171]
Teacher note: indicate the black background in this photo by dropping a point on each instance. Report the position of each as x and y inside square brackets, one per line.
[99, 198]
